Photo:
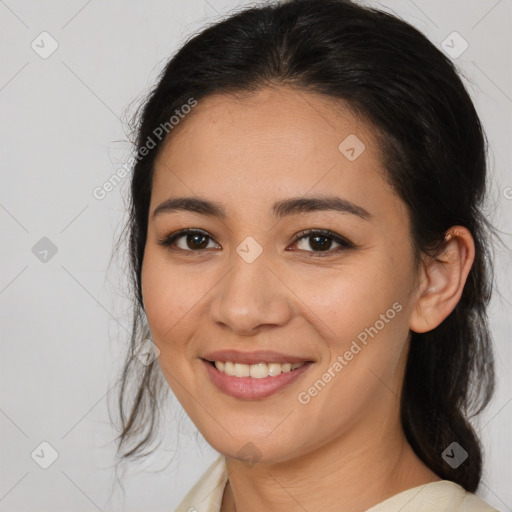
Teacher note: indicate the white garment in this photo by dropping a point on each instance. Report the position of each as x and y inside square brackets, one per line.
[441, 496]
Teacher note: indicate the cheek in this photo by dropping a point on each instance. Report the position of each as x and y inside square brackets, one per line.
[363, 323]
[169, 298]
[361, 314]
[347, 300]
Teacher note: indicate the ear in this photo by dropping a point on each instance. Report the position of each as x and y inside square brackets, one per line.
[442, 280]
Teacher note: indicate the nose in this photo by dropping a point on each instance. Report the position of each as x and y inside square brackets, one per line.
[251, 298]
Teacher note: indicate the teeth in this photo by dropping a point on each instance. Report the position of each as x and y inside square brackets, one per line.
[257, 371]
[242, 370]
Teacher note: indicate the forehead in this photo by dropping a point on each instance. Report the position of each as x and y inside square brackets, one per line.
[273, 143]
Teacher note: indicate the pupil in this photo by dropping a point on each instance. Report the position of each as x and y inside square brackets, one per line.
[320, 242]
[197, 241]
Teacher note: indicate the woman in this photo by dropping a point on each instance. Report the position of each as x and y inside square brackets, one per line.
[310, 255]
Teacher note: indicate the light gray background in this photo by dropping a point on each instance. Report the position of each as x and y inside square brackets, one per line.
[65, 322]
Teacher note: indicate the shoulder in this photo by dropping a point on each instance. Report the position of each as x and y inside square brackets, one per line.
[206, 495]
[442, 496]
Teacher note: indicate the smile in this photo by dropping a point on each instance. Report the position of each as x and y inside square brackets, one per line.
[257, 371]
[254, 381]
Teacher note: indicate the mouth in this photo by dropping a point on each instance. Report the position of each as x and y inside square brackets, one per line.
[256, 371]
[253, 376]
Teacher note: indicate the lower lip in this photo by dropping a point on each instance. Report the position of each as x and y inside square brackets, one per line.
[249, 388]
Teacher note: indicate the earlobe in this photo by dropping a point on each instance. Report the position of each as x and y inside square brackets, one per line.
[443, 280]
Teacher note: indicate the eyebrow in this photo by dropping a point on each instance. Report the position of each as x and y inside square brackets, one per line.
[283, 208]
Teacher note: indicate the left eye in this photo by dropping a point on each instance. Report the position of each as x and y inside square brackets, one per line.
[321, 241]
[189, 240]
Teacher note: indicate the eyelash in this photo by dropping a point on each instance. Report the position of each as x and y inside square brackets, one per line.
[344, 244]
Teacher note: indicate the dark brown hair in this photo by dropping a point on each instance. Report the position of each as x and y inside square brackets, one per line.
[410, 92]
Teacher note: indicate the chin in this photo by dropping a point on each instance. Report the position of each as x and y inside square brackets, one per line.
[252, 450]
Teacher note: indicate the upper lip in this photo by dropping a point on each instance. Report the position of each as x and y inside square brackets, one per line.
[258, 356]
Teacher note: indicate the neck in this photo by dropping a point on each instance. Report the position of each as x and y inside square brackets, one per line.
[358, 470]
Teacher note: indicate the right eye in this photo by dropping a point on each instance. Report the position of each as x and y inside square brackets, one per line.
[189, 240]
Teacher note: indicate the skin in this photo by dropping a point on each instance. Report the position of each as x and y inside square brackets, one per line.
[246, 152]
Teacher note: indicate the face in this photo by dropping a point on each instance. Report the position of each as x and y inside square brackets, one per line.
[297, 275]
